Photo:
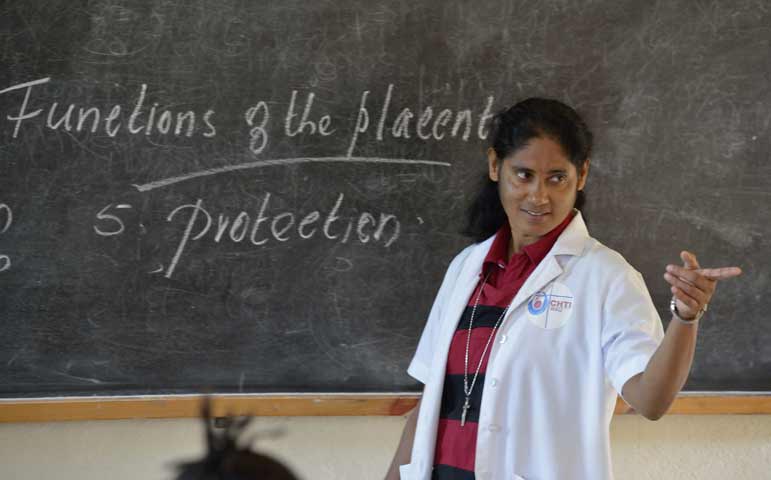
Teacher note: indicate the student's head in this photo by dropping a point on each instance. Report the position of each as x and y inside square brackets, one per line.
[225, 460]
[538, 162]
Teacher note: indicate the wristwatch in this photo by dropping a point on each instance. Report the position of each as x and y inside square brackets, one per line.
[676, 314]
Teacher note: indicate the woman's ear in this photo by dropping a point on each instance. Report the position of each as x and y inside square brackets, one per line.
[492, 164]
[583, 174]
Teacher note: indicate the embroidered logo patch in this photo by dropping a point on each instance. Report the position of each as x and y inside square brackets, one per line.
[551, 308]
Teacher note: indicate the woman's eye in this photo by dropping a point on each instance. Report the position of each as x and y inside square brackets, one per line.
[523, 175]
[559, 178]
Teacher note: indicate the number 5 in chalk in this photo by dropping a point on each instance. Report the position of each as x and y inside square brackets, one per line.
[117, 224]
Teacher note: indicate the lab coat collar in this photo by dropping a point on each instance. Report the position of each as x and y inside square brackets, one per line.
[573, 239]
[572, 242]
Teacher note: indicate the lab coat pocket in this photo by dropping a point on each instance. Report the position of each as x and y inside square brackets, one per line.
[517, 477]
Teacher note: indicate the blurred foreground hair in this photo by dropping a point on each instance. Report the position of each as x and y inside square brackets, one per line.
[225, 460]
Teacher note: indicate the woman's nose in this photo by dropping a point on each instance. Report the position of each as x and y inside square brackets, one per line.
[538, 195]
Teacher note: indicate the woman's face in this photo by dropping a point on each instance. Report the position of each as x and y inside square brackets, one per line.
[537, 185]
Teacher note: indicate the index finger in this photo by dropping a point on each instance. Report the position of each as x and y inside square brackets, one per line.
[720, 273]
[689, 259]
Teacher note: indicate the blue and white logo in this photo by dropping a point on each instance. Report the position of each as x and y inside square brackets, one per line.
[551, 308]
[538, 304]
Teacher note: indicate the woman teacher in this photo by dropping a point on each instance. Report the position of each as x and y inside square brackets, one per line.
[538, 326]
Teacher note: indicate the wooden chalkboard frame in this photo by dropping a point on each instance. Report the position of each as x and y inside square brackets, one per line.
[188, 406]
[673, 107]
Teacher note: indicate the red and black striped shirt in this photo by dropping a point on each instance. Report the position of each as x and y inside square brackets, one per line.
[456, 446]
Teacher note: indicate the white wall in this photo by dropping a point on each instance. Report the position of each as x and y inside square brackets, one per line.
[721, 447]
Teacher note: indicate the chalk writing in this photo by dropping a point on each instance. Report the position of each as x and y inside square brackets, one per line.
[6, 216]
[376, 119]
[6, 212]
[112, 224]
[258, 135]
[322, 126]
[264, 226]
[406, 126]
[280, 162]
[152, 121]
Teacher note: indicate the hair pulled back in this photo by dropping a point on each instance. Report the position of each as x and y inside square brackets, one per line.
[511, 130]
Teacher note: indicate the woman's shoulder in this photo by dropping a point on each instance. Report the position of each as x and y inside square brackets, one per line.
[613, 272]
[474, 249]
[607, 260]
[473, 252]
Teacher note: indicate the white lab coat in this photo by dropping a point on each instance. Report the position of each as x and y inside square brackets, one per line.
[581, 325]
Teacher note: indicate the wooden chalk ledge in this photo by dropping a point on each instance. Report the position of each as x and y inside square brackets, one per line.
[188, 406]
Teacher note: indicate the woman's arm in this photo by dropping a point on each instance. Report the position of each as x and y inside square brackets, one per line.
[404, 449]
[652, 392]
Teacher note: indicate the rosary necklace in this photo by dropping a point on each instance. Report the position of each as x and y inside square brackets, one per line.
[466, 389]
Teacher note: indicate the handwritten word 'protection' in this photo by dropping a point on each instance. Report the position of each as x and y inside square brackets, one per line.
[200, 223]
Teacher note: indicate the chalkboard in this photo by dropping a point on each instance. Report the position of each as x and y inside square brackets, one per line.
[263, 196]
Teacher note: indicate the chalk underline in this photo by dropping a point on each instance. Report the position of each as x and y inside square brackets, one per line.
[278, 162]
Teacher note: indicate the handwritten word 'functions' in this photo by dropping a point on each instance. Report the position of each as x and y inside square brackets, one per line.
[263, 226]
[143, 120]
[6, 219]
[425, 125]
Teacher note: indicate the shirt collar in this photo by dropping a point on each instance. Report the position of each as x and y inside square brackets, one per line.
[535, 251]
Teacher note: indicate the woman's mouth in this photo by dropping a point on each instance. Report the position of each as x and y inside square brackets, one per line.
[536, 217]
[535, 214]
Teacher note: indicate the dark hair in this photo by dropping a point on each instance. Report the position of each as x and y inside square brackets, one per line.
[225, 460]
[511, 130]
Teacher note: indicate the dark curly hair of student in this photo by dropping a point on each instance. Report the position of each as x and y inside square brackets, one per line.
[225, 460]
[511, 130]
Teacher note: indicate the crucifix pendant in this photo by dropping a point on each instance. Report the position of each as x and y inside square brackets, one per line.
[463, 413]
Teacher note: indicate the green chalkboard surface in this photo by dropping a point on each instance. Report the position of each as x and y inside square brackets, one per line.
[263, 196]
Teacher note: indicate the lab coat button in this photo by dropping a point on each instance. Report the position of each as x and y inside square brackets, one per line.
[493, 383]
[504, 338]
